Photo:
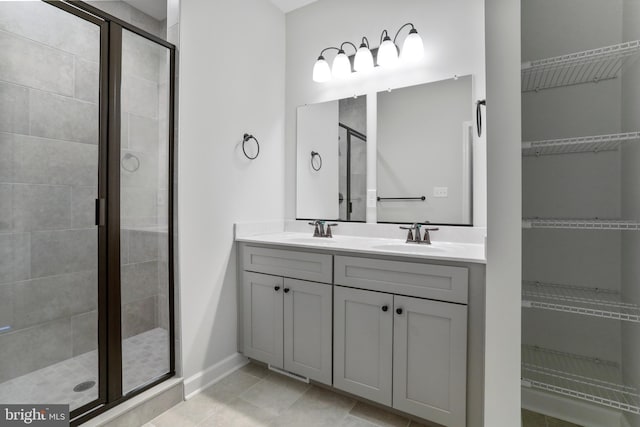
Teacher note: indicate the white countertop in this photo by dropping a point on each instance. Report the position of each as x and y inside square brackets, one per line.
[443, 251]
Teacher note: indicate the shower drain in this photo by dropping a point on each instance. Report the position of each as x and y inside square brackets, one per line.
[84, 386]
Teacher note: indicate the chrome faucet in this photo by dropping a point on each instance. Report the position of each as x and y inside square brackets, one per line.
[411, 238]
[319, 230]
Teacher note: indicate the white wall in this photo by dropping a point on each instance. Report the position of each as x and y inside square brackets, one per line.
[231, 81]
[453, 34]
[504, 217]
[631, 202]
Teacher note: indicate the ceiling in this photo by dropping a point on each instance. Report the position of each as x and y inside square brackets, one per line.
[289, 5]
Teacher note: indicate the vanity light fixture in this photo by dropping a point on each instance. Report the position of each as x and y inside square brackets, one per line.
[387, 52]
[321, 69]
[341, 64]
[387, 55]
[364, 59]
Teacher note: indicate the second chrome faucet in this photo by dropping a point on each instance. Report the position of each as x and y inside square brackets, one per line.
[319, 230]
[415, 237]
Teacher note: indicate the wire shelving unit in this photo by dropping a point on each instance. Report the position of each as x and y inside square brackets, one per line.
[582, 224]
[580, 377]
[594, 65]
[581, 144]
[594, 302]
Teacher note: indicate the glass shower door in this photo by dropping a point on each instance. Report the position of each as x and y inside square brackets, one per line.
[49, 158]
[144, 211]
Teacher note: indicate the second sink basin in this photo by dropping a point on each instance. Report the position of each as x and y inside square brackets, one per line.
[409, 247]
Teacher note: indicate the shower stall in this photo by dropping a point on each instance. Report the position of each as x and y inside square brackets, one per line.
[86, 155]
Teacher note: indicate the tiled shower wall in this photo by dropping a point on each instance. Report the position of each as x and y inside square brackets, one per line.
[48, 181]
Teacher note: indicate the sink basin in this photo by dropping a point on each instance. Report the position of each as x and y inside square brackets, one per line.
[410, 248]
[310, 240]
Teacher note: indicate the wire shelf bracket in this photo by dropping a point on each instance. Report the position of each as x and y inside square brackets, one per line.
[594, 65]
[593, 302]
[582, 224]
[581, 144]
[580, 377]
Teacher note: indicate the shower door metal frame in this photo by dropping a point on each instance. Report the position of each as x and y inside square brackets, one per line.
[110, 391]
[351, 132]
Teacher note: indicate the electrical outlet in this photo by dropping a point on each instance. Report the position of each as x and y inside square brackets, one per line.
[440, 191]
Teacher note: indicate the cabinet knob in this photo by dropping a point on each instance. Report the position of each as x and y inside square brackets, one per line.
[385, 308]
[286, 290]
[399, 310]
[277, 288]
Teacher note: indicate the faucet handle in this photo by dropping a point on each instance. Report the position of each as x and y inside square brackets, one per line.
[427, 237]
[410, 233]
[316, 230]
[328, 232]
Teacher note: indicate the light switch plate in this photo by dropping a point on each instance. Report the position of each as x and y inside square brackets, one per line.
[440, 191]
[372, 198]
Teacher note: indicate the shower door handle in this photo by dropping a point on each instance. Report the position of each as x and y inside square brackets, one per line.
[100, 212]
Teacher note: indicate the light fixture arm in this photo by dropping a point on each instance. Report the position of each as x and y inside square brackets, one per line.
[398, 33]
[349, 43]
[365, 42]
[383, 35]
[326, 49]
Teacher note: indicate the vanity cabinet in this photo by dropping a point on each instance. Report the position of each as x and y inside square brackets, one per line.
[405, 352]
[391, 330]
[287, 324]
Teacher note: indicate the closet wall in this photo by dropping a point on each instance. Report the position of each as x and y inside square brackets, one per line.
[584, 185]
[602, 185]
[630, 174]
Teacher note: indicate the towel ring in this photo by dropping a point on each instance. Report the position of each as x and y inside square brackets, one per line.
[479, 115]
[313, 156]
[246, 138]
[134, 167]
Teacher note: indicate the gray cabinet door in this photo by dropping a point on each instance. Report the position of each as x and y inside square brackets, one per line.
[363, 343]
[262, 315]
[430, 360]
[307, 329]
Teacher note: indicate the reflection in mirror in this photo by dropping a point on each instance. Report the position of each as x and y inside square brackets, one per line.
[335, 186]
[424, 140]
[352, 154]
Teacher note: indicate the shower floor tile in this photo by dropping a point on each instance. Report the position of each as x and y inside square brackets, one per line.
[145, 357]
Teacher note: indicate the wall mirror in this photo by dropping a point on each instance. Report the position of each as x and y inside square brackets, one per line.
[424, 157]
[331, 160]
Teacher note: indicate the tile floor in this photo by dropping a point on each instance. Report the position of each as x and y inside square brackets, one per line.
[145, 357]
[254, 397]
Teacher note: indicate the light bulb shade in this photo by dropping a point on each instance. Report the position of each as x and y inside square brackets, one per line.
[363, 60]
[321, 71]
[387, 53]
[413, 48]
[341, 66]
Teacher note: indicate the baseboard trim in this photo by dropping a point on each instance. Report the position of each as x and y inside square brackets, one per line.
[567, 409]
[205, 378]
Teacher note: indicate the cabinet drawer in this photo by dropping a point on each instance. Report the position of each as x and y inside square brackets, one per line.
[439, 282]
[296, 265]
